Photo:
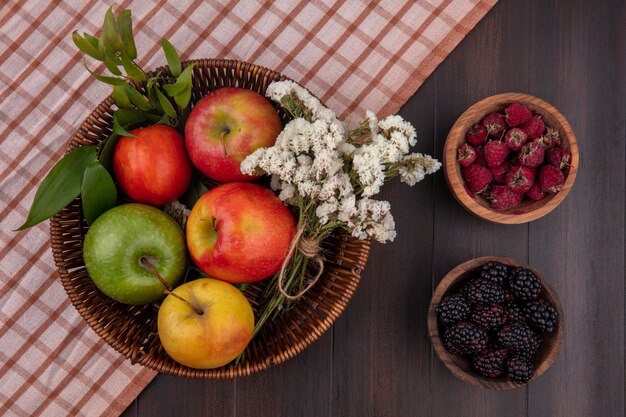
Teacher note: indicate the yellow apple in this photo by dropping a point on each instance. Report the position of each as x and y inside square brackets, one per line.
[210, 339]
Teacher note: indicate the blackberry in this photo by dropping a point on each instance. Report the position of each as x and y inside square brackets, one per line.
[453, 308]
[519, 369]
[464, 338]
[519, 338]
[483, 291]
[490, 316]
[490, 362]
[494, 271]
[508, 296]
[541, 315]
[524, 284]
[515, 312]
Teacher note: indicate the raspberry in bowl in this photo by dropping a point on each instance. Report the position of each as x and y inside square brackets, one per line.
[495, 322]
[510, 158]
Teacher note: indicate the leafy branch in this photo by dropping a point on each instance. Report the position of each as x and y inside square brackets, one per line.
[140, 99]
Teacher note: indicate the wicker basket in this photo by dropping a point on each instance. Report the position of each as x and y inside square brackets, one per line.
[132, 330]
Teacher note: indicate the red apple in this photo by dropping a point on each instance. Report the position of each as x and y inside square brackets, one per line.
[227, 125]
[152, 168]
[239, 232]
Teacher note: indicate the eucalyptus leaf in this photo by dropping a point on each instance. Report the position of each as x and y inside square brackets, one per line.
[138, 99]
[110, 34]
[125, 26]
[166, 104]
[85, 46]
[105, 79]
[195, 190]
[119, 130]
[61, 186]
[120, 98]
[134, 72]
[173, 60]
[98, 192]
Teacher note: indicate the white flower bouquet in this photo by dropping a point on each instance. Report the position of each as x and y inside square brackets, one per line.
[329, 175]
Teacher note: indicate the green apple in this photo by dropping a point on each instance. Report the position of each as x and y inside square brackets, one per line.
[121, 242]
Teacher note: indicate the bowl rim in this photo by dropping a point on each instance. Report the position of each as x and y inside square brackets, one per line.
[449, 360]
[452, 169]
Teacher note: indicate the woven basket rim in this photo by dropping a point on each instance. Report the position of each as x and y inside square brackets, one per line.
[351, 259]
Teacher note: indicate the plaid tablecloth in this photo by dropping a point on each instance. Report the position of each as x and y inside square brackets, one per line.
[354, 55]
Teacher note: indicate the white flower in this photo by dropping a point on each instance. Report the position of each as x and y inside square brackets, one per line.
[396, 122]
[372, 122]
[367, 164]
[416, 166]
[346, 149]
[326, 210]
[287, 191]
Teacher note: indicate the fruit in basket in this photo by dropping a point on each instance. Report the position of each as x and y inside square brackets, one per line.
[239, 232]
[209, 327]
[152, 168]
[227, 125]
[121, 240]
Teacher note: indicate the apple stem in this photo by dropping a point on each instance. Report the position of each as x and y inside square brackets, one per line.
[224, 133]
[168, 288]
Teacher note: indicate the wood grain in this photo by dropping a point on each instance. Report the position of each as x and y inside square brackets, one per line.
[377, 359]
[461, 367]
[528, 210]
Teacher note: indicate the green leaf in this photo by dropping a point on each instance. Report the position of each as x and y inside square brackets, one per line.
[166, 104]
[153, 99]
[138, 99]
[173, 60]
[119, 130]
[106, 152]
[134, 72]
[128, 117]
[120, 98]
[61, 186]
[97, 191]
[85, 46]
[195, 190]
[125, 25]
[111, 65]
[173, 90]
[183, 99]
[105, 79]
[110, 34]
[92, 40]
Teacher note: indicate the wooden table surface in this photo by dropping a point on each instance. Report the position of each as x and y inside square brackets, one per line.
[377, 360]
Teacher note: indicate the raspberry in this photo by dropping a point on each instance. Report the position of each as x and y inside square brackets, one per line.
[465, 338]
[559, 157]
[535, 192]
[453, 308]
[531, 155]
[517, 114]
[490, 362]
[502, 198]
[495, 124]
[551, 179]
[476, 135]
[550, 139]
[499, 172]
[477, 177]
[520, 178]
[480, 156]
[534, 127]
[495, 153]
[515, 138]
[466, 155]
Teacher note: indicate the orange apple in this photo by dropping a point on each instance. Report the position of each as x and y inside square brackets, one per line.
[213, 338]
[239, 232]
[227, 125]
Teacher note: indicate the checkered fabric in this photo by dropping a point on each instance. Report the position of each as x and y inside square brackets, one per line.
[354, 55]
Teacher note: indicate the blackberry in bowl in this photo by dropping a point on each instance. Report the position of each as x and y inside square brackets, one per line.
[495, 322]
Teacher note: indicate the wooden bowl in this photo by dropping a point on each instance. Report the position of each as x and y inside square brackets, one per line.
[132, 330]
[462, 367]
[528, 210]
